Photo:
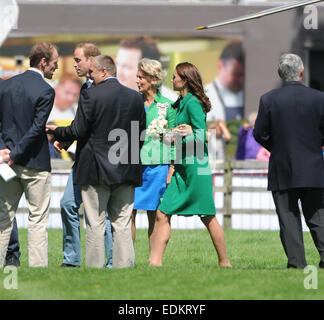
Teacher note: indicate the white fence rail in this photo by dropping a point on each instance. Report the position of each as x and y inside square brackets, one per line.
[240, 193]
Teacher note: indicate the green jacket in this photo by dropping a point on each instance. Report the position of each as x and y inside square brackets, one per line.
[194, 146]
[153, 151]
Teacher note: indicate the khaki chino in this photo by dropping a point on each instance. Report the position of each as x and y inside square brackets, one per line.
[119, 201]
[37, 188]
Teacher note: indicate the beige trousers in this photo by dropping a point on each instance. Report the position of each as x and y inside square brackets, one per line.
[119, 201]
[37, 188]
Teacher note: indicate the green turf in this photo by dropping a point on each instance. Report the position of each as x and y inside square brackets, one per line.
[190, 271]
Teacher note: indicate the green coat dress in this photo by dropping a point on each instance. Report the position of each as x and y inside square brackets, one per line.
[190, 190]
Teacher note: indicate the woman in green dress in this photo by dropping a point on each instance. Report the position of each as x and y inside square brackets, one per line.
[190, 191]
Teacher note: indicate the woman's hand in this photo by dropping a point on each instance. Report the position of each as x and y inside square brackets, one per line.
[170, 174]
[183, 130]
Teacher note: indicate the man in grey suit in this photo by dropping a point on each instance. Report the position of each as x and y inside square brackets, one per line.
[290, 124]
[26, 101]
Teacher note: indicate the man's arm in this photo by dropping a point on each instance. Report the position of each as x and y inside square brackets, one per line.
[42, 110]
[2, 144]
[322, 121]
[81, 123]
[262, 127]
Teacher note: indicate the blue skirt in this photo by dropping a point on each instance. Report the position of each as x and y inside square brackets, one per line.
[148, 196]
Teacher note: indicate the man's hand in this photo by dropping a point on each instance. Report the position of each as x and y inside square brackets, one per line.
[4, 154]
[10, 162]
[58, 146]
[5, 157]
[50, 128]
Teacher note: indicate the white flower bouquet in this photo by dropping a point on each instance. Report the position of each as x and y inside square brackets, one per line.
[157, 128]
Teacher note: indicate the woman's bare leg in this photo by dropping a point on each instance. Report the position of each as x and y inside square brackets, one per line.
[151, 221]
[160, 238]
[218, 237]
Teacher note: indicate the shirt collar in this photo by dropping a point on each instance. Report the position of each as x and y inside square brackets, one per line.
[110, 78]
[36, 70]
[288, 83]
[89, 83]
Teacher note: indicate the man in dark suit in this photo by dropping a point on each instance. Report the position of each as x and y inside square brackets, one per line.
[107, 165]
[72, 200]
[26, 101]
[13, 252]
[290, 124]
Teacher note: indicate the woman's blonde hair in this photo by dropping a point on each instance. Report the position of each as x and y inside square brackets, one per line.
[153, 69]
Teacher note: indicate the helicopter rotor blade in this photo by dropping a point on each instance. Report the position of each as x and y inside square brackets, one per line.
[260, 14]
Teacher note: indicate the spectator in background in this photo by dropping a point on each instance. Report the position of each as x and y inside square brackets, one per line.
[131, 51]
[64, 109]
[66, 98]
[226, 91]
[247, 147]
[218, 137]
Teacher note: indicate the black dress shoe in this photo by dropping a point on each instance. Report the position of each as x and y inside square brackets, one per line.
[290, 266]
[66, 265]
[12, 260]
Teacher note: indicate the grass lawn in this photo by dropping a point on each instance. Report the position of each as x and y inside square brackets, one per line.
[190, 271]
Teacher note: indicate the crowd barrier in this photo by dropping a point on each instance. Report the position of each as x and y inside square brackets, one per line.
[240, 192]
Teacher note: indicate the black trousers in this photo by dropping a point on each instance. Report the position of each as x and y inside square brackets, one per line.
[14, 247]
[291, 235]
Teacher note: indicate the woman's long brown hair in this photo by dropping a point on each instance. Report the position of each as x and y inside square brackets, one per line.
[189, 73]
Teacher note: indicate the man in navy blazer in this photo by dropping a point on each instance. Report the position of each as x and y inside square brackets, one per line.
[108, 123]
[26, 101]
[290, 124]
[13, 252]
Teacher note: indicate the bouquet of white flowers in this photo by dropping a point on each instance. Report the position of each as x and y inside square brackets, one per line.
[157, 128]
